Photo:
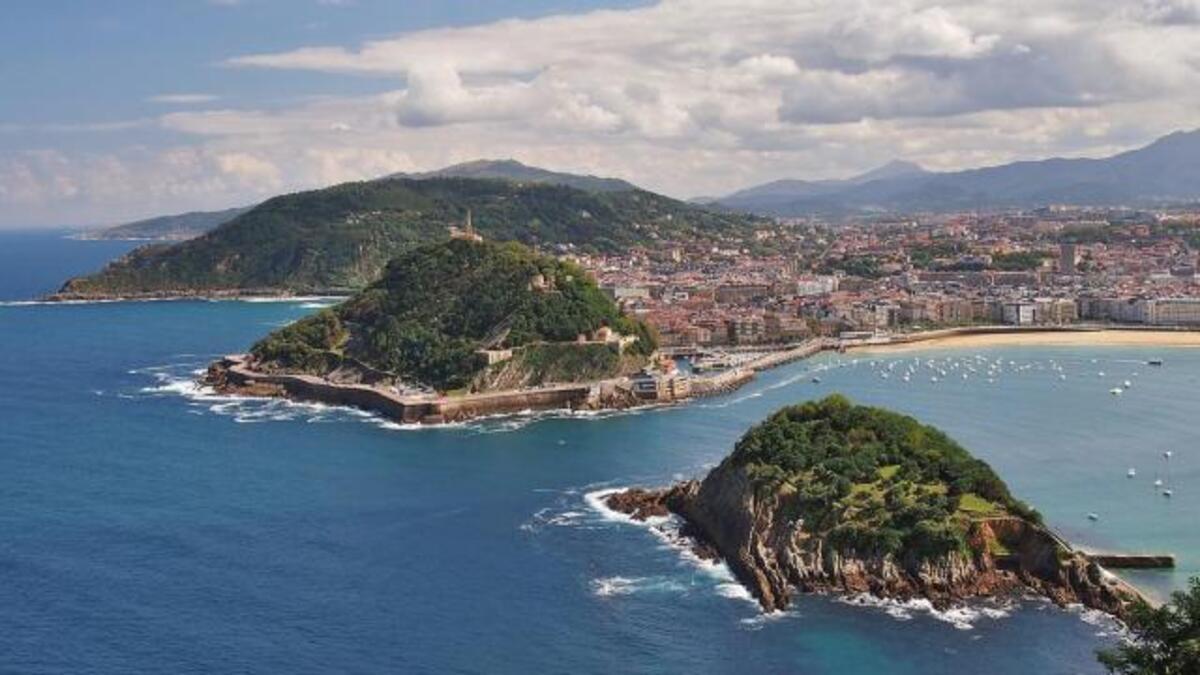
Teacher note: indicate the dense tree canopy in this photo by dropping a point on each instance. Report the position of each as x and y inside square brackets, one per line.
[437, 305]
[342, 237]
[873, 480]
[1165, 640]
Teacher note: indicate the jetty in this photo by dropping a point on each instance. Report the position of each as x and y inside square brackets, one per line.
[1133, 561]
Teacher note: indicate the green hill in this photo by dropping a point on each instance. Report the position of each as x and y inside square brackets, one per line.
[871, 480]
[341, 237]
[424, 321]
[829, 496]
[512, 170]
[169, 228]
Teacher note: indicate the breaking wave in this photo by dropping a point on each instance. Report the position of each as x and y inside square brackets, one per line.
[962, 617]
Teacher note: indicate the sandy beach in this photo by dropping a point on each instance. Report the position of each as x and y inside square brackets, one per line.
[1122, 338]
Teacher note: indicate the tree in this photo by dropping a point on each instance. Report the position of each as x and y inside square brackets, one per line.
[1166, 640]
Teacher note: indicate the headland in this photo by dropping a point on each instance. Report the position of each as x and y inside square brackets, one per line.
[828, 496]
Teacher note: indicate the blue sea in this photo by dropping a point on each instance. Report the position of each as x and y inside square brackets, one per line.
[146, 526]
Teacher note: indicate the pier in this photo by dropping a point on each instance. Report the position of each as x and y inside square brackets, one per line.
[1132, 561]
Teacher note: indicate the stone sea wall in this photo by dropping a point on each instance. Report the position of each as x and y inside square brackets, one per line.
[232, 374]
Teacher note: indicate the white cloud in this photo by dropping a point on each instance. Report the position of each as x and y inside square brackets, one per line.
[1171, 11]
[183, 99]
[691, 97]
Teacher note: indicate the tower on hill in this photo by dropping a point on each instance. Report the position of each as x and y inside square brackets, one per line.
[467, 231]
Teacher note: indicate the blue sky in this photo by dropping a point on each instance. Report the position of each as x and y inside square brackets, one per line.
[81, 62]
[111, 111]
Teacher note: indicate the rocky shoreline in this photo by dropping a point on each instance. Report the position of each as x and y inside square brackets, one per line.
[66, 295]
[776, 559]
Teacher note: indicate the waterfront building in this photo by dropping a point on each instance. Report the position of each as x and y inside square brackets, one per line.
[1174, 311]
[1019, 313]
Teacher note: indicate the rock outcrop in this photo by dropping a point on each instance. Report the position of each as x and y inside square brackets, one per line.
[775, 556]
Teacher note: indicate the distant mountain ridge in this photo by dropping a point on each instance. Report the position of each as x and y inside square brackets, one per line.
[512, 170]
[178, 227]
[769, 197]
[1167, 170]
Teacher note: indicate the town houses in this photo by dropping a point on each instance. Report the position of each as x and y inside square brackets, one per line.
[808, 277]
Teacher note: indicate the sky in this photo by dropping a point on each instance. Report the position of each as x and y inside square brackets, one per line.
[111, 111]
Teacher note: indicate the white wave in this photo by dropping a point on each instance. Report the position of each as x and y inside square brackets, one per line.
[611, 586]
[597, 500]
[1106, 623]
[667, 530]
[317, 305]
[614, 586]
[787, 382]
[760, 620]
[54, 303]
[734, 591]
[962, 617]
[255, 299]
[734, 401]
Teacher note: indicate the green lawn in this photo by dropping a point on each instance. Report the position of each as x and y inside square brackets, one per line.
[975, 505]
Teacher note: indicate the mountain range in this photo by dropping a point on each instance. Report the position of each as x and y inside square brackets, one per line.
[1166, 171]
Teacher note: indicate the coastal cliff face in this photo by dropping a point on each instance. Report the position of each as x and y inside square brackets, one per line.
[778, 546]
[775, 557]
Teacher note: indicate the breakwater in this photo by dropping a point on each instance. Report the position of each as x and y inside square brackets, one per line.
[234, 373]
[1133, 561]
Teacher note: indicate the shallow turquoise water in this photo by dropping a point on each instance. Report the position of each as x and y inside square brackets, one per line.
[150, 529]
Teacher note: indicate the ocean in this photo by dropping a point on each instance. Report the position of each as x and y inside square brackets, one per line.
[150, 527]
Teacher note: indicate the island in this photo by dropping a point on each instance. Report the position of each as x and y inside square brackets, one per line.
[830, 496]
[456, 330]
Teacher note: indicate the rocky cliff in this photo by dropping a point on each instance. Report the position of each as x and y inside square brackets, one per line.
[778, 544]
[775, 557]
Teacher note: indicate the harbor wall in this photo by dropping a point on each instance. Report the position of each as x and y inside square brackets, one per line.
[412, 410]
[1132, 561]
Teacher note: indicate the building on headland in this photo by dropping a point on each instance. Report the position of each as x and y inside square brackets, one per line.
[493, 356]
[607, 336]
[467, 231]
